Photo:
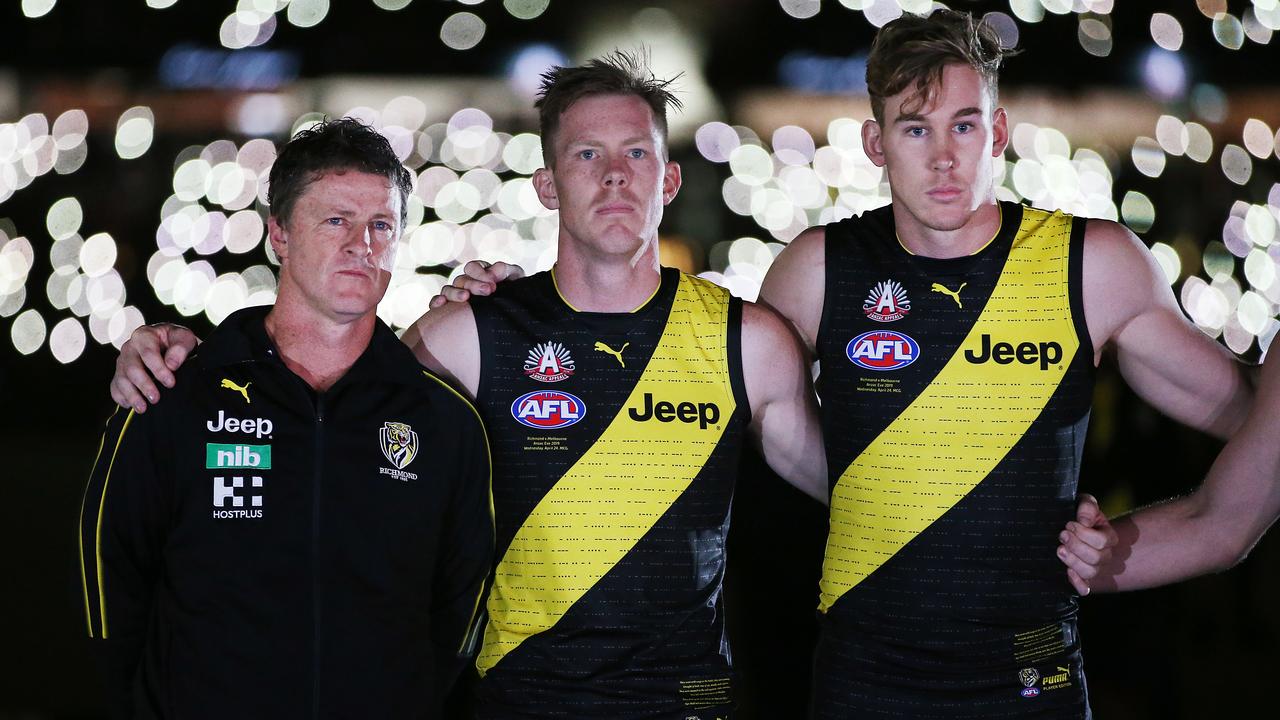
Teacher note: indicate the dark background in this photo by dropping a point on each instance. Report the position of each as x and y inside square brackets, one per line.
[1206, 647]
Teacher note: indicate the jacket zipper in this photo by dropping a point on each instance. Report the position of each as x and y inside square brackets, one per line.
[315, 558]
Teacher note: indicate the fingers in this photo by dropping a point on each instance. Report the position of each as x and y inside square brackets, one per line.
[144, 352]
[505, 271]
[448, 294]
[125, 394]
[1074, 546]
[1099, 537]
[1088, 512]
[1077, 582]
[181, 342]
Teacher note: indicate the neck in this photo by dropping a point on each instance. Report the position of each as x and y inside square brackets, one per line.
[318, 349]
[607, 283]
[978, 230]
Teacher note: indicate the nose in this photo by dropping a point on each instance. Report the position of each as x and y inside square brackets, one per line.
[360, 241]
[615, 174]
[944, 155]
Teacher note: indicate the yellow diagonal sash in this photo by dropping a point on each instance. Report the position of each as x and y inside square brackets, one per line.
[964, 423]
[615, 493]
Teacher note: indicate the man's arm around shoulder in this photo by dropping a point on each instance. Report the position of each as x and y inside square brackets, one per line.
[446, 342]
[784, 412]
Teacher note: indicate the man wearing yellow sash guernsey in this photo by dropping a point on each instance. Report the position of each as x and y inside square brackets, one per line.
[958, 338]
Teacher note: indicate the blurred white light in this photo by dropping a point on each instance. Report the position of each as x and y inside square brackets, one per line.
[715, 140]
[751, 164]
[1148, 157]
[37, 8]
[27, 332]
[1138, 211]
[1164, 74]
[462, 31]
[524, 71]
[1168, 260]
[1199, 142]
[1171, 134]
[801, 9]
[1166, 31]
[1260, 269]
[307, 13]
[523, 153]
[67, 340]
[1005, 26]
[64, 218]
[1257, 138]
[1236, 164]
[134, 132]
[260, 114]
[97, 254]
[1228, 31]
[793, 145]
[525, 9]
[70, 129]
[242, 232]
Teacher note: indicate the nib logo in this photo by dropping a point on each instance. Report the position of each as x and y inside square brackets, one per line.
[251, 457]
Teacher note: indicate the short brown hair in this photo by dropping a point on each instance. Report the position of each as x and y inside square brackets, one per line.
[913, 51]
[341, 145]
[618, 73]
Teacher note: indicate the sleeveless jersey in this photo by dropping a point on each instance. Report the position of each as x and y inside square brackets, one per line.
[955, 398]
[615, 445]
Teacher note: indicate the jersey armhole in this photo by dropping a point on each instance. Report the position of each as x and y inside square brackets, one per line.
[1075, 286]
[733, 347]
[828, 242]
[481, 312]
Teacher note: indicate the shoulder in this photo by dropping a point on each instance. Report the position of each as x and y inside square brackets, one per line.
[764, 331]
[1113, 253]
[449, 403]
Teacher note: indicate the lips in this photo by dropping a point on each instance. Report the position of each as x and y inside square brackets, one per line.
[614, 209]
[945, 193]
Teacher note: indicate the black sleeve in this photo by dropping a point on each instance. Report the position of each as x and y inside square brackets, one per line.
[466, 557]
[121, 532]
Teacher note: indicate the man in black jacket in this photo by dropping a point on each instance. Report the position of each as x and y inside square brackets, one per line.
[304, 528]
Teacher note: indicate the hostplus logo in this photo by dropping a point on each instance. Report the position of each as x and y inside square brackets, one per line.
[229, 495]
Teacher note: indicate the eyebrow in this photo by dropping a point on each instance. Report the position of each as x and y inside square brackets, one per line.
[597, 143]
[917, 117]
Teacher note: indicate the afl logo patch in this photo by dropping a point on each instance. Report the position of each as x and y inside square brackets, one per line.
[548, 409]
[1030, 692]
[882, 350]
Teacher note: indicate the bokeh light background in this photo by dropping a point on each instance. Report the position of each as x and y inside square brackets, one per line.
[135, 141]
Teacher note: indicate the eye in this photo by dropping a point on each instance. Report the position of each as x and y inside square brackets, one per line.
[382, 226]
[964, 127]
[334, 221]
[587, 154]
[636, 154]
[916, 131]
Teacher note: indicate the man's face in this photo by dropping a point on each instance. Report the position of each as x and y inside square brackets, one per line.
[337, 248]
[938, 158]
[611, 179]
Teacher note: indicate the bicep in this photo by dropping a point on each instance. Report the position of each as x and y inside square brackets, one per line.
[446, 342]
[1131, 312]
[796, 283]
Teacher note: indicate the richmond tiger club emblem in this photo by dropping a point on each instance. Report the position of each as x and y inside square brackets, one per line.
[887, 302]
[548, 362]
[400, 446]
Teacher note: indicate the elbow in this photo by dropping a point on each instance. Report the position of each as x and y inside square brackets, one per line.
[1230, 552]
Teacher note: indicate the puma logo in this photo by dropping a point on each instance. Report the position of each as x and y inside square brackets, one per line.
[955, 295]
[243, 390]
[601, 347]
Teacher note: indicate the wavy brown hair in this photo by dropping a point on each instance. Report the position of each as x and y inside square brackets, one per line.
[913, 50]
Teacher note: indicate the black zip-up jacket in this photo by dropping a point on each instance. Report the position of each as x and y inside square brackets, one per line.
[253, 549]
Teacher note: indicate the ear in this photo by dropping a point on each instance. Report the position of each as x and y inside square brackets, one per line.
[873, 142]
[999, 132]
[544, 183]
[279, 238]
[670, 182]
